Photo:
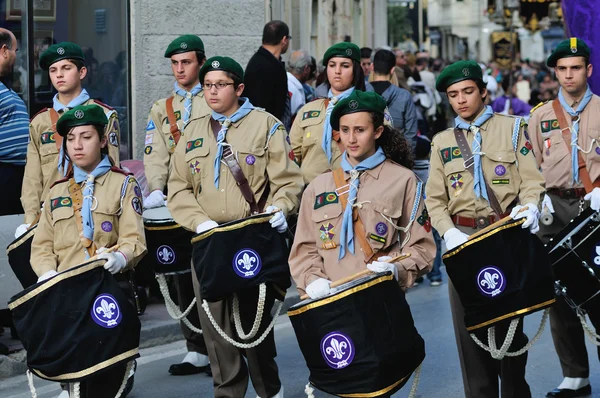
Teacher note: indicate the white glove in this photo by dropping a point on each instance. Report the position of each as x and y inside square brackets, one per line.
[318, 288]
[47, 275]
[205, 226]
[382, 265]
[532, 213]
[21, 229]
[594, 198]
[115, 261]
[155, 199]
[278, 220]
[454, 238]
[547, 202]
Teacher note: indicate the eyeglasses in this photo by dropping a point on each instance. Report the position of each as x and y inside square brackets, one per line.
[218, 86]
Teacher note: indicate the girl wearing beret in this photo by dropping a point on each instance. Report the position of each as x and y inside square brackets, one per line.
[376, 183]
[95, 207]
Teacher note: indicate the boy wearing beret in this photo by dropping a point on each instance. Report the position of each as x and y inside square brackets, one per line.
[565, 135]
[467, 192]
[203, 193]
[66, 66]
[167, 124]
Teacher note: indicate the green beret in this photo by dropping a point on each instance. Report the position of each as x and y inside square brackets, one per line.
[184, 44]
[358, 101]
[60, 51]
[572, 47]
[224, 64]
[82, 115]
[457, 72]
[343, 49]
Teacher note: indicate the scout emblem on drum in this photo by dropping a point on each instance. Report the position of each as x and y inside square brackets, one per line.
[247, 263]
[105, 311]
[491, 281]
[337, 349]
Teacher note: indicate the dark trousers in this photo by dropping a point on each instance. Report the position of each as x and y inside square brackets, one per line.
[229, 369]
[104, 384]
[567, 333]
[11, 181]
[185, 295]
[479, 370]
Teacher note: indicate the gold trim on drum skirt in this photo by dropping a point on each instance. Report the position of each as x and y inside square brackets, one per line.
[233, 225]
[523, 311]
[22, 238]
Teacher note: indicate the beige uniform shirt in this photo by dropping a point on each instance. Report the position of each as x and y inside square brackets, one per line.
[551, 151]
[56, 243]
[41, 169]
[511, 174]
[306, 136]
[261, 146]
[387, 193]
[159, 144]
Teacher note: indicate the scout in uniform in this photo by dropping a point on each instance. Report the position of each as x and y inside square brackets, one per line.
[316, 148]
[66, 65]
[467, 192]
[552, 128]
[167, 122]
[375, 170]
[202, 193]
[95, 207]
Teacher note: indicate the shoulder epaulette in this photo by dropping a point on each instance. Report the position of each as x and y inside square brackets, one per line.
[118, 170]
[103, 104]
[41, 111]
[60, 181]
[537, 106]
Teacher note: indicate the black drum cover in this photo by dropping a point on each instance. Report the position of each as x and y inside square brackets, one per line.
[76, 324]
[575, 257]
[19, 252]
[240, 255]
[501, 275]
[360, 340]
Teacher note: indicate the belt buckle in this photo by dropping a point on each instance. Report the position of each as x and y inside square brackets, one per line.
[482, 222]
[569, 193]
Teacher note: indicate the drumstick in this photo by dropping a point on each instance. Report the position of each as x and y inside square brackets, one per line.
[110, 249]
[360, 274]
[498, 223]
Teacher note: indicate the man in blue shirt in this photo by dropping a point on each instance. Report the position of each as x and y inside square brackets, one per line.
[14, 129]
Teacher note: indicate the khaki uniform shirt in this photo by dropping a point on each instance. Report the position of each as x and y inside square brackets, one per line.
[261, 146]
[306, 135]
[57, 244]
[41, 169]
[387, 194]
[510, 174]
[160, 144]
[551, 151]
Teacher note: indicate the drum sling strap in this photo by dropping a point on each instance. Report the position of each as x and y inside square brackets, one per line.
[465, 149]
[175, 132]
[77, 197]
[565, 129]
[239, 176]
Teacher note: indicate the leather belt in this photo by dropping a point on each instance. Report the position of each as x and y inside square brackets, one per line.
[479, 222]
[568, 193]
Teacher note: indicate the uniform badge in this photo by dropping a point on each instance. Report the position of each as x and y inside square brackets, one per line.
[598, 150]
[291, 155]
[524, 151]
[377, 238]
[500, 170]
[62, 201]
[107, 226]
[148, 150]
[308, 135]
[150, 125]
[456, 153]
[195, 167]
[381, 228]
[446, 155]
[326, 232]
[149, 139]
[191, 145]
[500, 181]
[112, 138]
[528, 145]
[310, 114]
[325, 198]
[137, 191]
[136, 203]
[171, 142]
[177, 115]
[456, 181]
[287, 138]
[423, 220]
[250, 160]
[48, 138]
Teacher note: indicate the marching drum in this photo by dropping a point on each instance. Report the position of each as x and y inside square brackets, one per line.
[169, 248]
[360, 340]
[19, 252]
[575, 257]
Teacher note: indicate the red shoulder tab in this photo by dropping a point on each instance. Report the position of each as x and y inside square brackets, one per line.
[42, 111]
[110, 108]
[118, 170]
[60, 181]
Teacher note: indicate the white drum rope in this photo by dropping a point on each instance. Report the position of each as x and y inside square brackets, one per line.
[125, 378]
[76, 390]
[589, 332]
[172, 308]
[503, 351]
[236, 343]
[309, 391]
[260, 307]
[415, 383]
[30, 382]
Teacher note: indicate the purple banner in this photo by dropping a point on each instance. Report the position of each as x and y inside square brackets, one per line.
[581, 20]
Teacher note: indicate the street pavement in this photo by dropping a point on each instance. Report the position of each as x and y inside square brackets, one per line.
[440, 376]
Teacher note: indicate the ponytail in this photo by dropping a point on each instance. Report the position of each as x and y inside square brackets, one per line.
[393, 143]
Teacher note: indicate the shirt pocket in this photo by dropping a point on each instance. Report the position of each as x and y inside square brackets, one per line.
[106, 223]
[312, 130]
[48, 158]
[381, 221]
[502, 173]
[457, 177]
[66, 232]
[555, 150]
[253, 162]
[200, 167]
[327, 224]
[593, 145]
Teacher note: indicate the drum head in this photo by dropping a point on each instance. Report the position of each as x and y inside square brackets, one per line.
[157, 215]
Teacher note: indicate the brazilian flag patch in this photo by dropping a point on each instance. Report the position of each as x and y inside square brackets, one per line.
[61, 201]
[191, 145]
[310, 114]
[48, 137]
[326, 198]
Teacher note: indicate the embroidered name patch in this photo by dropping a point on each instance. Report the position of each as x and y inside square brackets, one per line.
[48, 137]
[450, 153]
[310, 114]
[191, 145]
[61, 201]
[325, 198]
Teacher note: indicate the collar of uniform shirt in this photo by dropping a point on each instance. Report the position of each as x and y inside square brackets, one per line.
[374, 172]
[483, 127]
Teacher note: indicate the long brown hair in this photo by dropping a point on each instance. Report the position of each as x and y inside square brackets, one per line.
[393, 143]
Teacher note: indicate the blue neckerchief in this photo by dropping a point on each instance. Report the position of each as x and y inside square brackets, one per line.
[225, 123]
[478, 180]
[327, 131]
[79, 100]
[187, 105]
[88, 193]
[347, 231]
[575, 129]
